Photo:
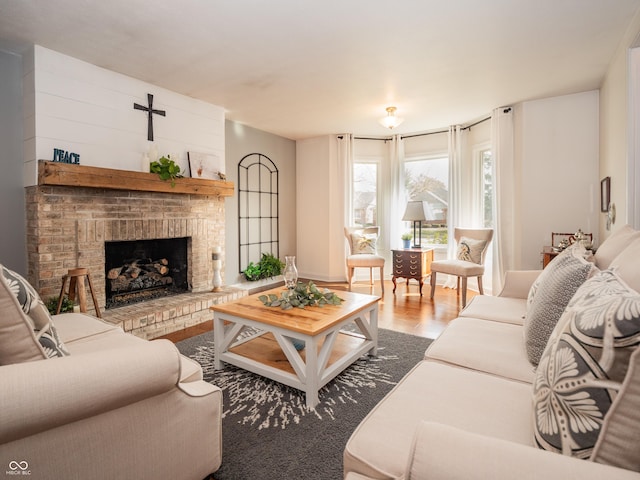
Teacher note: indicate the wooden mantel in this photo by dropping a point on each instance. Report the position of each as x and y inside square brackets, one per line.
[55, 173]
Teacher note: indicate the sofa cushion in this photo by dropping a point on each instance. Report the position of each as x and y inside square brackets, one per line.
[618, 443]
[485, 404]
[29, 309]
[470, 250]
[553, 289]
[613, 245]
[485, 346]
[497, 309]
[626, 264]
[584, 364]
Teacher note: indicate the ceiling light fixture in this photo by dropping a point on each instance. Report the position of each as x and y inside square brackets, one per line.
[391, 121]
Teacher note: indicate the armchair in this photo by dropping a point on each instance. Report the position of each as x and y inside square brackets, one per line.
[362, 252]
[469, 261]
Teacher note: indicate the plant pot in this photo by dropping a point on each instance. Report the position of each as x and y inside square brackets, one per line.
[406, 243]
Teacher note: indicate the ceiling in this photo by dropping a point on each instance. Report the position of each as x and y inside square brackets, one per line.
[302, 68]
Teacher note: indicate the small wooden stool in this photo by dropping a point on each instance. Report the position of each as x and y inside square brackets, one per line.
[76, 277]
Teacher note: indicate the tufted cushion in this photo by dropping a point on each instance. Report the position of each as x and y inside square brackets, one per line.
[576, 250]
[554, 288]
[34, 313]
[626, 264]
[470, 250]
[582, 369]
[613, 245]
[363, 243]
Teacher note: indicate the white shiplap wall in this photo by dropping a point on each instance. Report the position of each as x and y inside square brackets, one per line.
[81, 108]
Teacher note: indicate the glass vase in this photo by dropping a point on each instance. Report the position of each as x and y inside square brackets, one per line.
[290, 272]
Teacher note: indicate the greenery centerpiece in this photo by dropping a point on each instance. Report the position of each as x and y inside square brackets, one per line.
[300, 296]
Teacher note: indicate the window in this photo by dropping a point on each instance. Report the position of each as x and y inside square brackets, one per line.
[365, 192]
[486, 159]
[427, 179]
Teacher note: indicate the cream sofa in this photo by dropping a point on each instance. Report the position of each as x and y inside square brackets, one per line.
[467, 410]
[112, 406]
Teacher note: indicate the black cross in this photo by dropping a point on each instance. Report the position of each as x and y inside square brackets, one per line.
[137, 106]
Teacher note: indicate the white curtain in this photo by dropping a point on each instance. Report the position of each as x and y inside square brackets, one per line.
[345, 164]
[504, 241]
[456, 212]
[396, 193]
[345, 167]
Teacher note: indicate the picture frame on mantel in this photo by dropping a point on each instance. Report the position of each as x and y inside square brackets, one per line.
[205, 165]
[605, 194]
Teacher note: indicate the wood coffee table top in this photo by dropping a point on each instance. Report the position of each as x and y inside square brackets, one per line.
[308, 320]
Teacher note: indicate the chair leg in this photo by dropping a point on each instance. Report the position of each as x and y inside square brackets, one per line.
[370, 275]
[480, 285]
[382, 278]
[458, 286]
[350, 275]
[433, 284]
[464, 291]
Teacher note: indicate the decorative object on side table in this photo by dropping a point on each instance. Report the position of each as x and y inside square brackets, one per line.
[406, 240]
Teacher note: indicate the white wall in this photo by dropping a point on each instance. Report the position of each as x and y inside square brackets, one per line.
[240, 141]
[12, 213]
[85, 109]
[614, 132]
[557, 156]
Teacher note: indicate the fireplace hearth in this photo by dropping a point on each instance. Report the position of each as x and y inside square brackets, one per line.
[145, 269]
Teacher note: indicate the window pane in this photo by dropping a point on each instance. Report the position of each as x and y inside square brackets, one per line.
[487, 188]
[428, 180]
[365, 182]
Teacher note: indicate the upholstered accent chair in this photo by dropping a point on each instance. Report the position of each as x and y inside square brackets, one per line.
[363, 252]
[472, 247]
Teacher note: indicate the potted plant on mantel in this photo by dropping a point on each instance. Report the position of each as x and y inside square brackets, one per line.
[167, 169]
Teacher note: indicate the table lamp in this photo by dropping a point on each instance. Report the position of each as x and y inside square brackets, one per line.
[416, 213]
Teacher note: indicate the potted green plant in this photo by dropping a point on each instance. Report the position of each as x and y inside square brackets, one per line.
[406, 240]
[268, 266]
[167, 169]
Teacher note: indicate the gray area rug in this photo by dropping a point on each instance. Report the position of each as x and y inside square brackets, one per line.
[267, 431]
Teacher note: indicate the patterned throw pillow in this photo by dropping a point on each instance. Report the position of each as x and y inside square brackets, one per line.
[576, 250]
[556, 285]
[37, 313]
[582, 369]
[470, 250]
[364, 243]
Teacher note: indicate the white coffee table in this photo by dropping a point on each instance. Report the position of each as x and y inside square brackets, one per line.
[319, 327]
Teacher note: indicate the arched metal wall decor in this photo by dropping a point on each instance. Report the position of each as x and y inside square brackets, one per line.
[258, 209]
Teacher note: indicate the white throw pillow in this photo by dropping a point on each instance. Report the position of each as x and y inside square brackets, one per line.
[364, 243]
[470, 250]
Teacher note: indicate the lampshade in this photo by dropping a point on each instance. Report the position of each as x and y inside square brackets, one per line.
[416, 211]
[391, 121]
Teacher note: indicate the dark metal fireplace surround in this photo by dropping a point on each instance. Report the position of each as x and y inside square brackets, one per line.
[141, 270]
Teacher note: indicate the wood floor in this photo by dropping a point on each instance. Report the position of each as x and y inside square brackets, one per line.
[406, 311]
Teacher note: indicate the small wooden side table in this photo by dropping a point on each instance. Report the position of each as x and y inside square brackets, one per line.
[548, 254]
[412, 263]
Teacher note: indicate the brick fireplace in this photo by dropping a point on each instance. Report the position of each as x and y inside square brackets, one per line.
[68, 226]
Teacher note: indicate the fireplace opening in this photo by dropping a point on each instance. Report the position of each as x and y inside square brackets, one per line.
[141, 270]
